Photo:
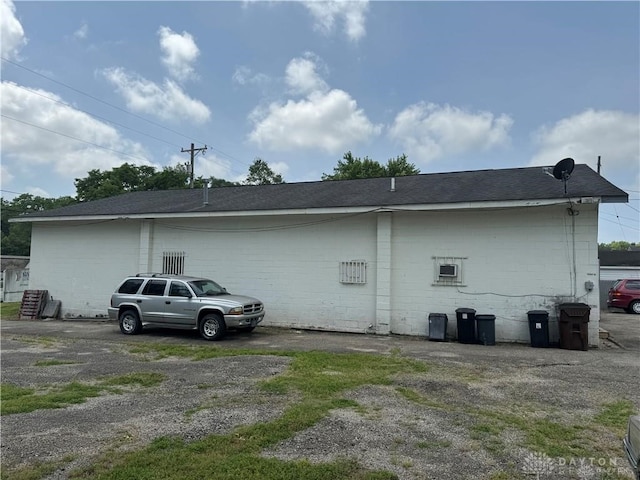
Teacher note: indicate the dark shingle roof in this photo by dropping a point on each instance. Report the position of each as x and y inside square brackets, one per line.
[513, 184]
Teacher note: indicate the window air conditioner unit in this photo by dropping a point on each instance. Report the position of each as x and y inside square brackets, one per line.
[448, 270]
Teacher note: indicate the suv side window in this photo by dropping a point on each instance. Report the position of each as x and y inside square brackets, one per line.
[179, 289]
[633, 284]
[155, 287]
[131, 286]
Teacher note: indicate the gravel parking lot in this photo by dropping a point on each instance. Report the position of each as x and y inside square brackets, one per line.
[446, 432]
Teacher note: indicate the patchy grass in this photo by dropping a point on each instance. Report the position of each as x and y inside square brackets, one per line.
[45, 342]
[616, 415]
[557, 438]
[52, 363]
[10, 310]
[36, 471]
[317, 379]
[23, 400]
[143, 379]
[315, 383]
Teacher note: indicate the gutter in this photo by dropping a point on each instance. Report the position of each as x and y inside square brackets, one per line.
[492, 205]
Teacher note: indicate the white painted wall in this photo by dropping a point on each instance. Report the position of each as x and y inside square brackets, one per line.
[81, 265]
[516, 260]
[290, 263]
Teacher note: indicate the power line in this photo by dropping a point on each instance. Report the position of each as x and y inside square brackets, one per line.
[118, 108]
[73, 138]
[95, 116]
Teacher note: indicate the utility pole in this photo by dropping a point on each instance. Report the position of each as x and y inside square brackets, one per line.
[193, 151]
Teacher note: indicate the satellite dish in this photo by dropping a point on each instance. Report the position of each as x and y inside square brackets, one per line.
[562, 171]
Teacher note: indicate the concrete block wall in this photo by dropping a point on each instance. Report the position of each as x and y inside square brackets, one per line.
[81, 265]
[515, 260]
[289, 262]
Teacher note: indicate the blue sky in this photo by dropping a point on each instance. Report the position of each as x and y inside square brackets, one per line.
[453, 85]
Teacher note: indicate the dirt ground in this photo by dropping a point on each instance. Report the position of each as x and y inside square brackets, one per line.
[443, 438]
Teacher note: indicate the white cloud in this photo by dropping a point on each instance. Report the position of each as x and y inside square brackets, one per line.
[11, 31]
[243, 75]
[302, 77]
[5, 175]
[351, 12]
[326, 119]
[329, 121]
[56, 142]
[167, 102]
[429, 131]
[82, 32]
[179, 53]
[614, 135]
[37, 192]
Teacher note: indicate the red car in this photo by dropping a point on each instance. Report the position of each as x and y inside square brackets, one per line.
[625, 294]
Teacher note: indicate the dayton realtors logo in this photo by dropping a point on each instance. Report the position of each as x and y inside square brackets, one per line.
[541, 465]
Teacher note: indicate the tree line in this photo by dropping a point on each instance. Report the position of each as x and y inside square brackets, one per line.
[16, 237]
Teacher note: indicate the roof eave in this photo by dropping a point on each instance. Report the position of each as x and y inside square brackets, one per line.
[497, 204]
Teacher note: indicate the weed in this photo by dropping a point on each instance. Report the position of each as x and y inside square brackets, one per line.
[51, 363]
[616, 415]
[36, 471]
[23, 400]
[318, 379]
[9, 310]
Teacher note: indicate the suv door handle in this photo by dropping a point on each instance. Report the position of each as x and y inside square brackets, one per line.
[138, 301]
[168, 302]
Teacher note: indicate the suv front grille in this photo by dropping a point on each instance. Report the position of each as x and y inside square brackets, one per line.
[252, 308]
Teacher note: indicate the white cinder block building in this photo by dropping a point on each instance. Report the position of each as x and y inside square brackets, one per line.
[372, 255]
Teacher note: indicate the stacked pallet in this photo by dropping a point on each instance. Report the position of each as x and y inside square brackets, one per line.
[33, 302]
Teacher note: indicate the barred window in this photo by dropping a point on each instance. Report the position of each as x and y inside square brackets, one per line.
[353, 271]
[173, 263]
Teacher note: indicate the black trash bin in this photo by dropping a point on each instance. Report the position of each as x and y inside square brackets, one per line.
[438, 326]
[539, 328]
[486, 329]
[574, 326]
[466, 324]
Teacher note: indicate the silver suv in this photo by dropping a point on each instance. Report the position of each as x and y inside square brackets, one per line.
[182, 302]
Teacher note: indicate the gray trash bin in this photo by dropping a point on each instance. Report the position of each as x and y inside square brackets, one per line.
[486, 329]
[438, 326]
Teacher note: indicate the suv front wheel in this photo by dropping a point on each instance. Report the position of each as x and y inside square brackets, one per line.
[130, 322]
[212, 327]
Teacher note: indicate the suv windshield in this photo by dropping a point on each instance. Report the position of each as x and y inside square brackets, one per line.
[204, 288]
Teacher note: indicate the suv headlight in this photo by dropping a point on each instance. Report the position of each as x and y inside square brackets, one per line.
[236, 311]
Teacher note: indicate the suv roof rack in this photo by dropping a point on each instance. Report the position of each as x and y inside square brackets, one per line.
[150, 274]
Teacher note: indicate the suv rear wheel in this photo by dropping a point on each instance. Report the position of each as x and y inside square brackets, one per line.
[212, 327]
[634, 307]
[130, 322]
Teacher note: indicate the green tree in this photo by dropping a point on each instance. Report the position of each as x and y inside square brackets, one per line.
[125, 178]
[618, 245]
[16, 237]
[170, 178]
[400, 166]
[221, 182]
[351, 168]
[261, 174]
